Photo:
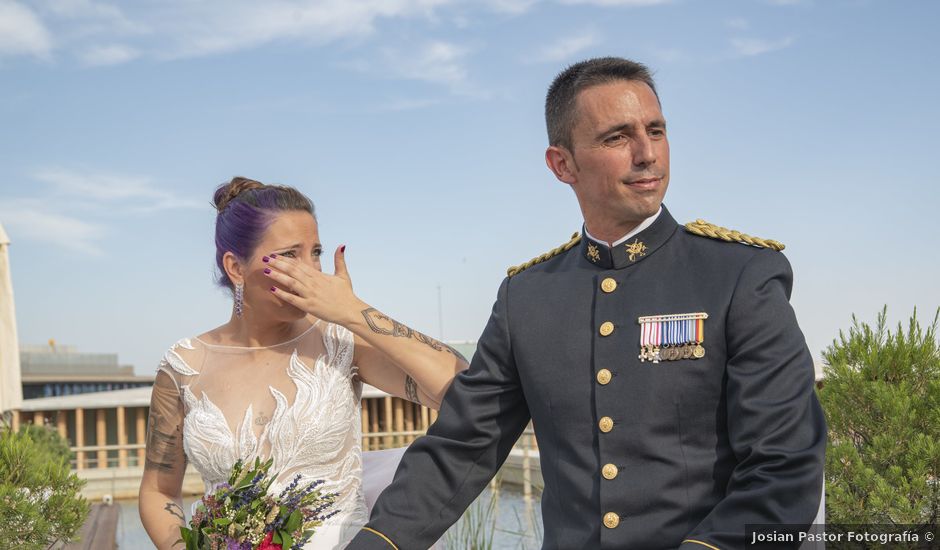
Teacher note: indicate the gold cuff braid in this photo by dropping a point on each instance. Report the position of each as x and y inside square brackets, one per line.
[380, 535]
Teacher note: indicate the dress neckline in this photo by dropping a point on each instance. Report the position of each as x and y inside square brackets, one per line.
[279, 344]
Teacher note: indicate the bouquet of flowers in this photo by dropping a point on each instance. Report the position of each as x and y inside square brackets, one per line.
[241, 515]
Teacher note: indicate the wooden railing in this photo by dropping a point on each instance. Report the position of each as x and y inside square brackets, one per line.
[116, 436]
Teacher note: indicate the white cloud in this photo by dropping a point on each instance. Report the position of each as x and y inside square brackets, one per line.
[36, 220]
[609, 3]
[195, 29]
[568, 47]
[22, 32]
[513, 7]
[437, 62]
[135, 193]
[738, 23]
[114, 54]
[757, 46]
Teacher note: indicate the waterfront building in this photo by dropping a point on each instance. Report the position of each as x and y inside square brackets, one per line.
[54, 370]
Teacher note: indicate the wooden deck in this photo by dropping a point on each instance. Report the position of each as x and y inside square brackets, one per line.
[100, 529]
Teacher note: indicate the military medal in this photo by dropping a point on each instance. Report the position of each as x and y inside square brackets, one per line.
[672, 337]
[698, 351]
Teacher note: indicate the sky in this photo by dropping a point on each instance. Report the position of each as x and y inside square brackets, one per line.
[416, 127]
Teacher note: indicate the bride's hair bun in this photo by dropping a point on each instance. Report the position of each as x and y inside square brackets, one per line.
[228, 191]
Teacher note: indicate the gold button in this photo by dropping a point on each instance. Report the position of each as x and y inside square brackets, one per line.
[609, 471]
[606, 424]
[611, 520]
[608, 285]
[607, 328]
[603, 377]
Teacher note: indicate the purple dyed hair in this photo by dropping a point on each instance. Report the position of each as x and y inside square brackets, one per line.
[246, 209]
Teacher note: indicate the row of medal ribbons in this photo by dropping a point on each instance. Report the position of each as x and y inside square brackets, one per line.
[672, 337]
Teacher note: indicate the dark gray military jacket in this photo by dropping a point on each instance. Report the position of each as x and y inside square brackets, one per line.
[634, 454]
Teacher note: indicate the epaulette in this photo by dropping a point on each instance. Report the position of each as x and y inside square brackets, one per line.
[704, 229]
[575, 239]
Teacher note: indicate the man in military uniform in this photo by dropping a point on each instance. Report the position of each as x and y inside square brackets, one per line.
[669, 385]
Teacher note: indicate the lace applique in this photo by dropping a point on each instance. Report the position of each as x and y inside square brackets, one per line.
[317, 436]
[173, 359]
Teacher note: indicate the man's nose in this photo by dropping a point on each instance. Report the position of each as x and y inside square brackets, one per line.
[643, 152]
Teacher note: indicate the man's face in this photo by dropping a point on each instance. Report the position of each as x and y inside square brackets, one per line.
[620, 157]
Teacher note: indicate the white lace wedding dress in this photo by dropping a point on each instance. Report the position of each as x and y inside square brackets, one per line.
[297, 402]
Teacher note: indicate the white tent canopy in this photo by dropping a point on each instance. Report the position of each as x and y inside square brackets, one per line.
[11, 389]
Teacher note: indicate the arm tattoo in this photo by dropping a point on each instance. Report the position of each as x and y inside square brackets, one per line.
[175, 510]
[161, 446]
[393, 328]
[411, 390]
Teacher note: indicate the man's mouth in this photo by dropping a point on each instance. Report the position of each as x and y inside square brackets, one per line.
[644, 183]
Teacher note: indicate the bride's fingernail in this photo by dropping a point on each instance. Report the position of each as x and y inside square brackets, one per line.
[267, 270]
[273, 289]
[265, 259]
[274, 255]
[342, 248]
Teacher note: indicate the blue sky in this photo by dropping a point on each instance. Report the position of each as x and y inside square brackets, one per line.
[416, 127]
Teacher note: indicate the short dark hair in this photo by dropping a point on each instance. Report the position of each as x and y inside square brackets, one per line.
[561, 100]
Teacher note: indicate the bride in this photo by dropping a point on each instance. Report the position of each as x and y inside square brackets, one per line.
[282, 378]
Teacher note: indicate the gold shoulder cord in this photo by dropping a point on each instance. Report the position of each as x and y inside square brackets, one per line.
[575, 239]
[704, 229]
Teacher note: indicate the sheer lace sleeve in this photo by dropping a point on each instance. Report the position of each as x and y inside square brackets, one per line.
[165, 421]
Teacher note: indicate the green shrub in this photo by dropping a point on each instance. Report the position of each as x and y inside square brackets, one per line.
[882, 401]
[49, 439]
[40, 504]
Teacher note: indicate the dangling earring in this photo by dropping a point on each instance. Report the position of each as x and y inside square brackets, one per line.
[239, 298]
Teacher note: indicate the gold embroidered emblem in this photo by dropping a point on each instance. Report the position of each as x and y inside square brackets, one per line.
[636, 248]
[593, 253]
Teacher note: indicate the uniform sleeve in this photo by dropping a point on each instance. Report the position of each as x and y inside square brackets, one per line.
[481, 417]
[776, 427]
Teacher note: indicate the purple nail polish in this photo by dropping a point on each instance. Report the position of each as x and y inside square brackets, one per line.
[273, 289]
[274, 255]
[267, 270]
[265, 259]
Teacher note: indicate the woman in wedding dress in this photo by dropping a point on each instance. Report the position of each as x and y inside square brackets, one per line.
[282, 378]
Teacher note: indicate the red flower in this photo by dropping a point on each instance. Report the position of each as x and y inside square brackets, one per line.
[266, 544]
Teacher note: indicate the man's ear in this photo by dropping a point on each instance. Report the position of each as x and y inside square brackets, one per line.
[233, 268]
[561, 162]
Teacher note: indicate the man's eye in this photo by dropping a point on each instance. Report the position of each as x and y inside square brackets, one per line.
[615, 138]
[317, 252]
[657, 133]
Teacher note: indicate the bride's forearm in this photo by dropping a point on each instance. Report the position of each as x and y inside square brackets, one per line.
[429, 364]
[162, 516]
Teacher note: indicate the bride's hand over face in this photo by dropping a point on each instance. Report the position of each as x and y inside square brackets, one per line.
[325, 296]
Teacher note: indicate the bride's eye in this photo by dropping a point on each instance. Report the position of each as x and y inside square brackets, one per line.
[289, 254]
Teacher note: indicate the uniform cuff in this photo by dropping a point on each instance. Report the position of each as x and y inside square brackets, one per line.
[370, 539]
[697, 544]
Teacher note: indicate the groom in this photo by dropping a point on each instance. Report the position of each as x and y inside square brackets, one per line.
[669, 385]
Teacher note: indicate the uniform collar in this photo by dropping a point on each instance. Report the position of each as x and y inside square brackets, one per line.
[634, 250]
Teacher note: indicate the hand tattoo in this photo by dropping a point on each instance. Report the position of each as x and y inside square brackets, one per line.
[397, 330]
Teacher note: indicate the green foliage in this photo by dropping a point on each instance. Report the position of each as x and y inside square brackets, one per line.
[882, 403]
[40, 501]
[49, 439]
